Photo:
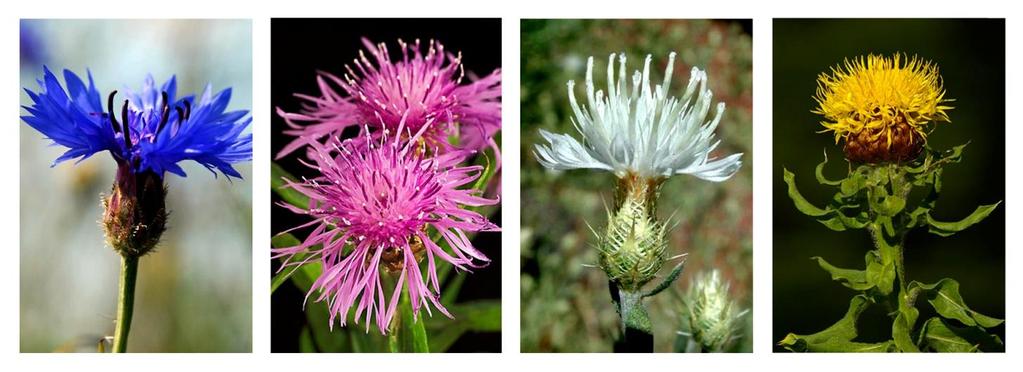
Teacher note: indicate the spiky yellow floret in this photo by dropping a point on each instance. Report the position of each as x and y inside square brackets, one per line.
[877, 94]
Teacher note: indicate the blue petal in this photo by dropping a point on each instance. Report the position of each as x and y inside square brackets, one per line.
[71, 119]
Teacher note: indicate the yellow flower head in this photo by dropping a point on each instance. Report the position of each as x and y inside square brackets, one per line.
[881, 106]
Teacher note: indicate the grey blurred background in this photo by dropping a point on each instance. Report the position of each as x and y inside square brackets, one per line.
[194, 293]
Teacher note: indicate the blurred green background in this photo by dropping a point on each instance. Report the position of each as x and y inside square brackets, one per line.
[194, 293]
[565, 305]
[971, 58]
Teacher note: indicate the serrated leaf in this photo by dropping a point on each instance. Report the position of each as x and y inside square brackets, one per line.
[289, 195]
[937, 335]
[801, 203]
[945, 298]
[949, 228]
[855, 279]
[838, 337]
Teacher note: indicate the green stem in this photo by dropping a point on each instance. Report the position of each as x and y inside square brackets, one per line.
[125, 302]
[637, 335]
[408, 334]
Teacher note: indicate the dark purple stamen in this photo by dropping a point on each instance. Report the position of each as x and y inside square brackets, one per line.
[110, 111]
[181, 116]
[124, 124]
[188, 109]
[166, 112]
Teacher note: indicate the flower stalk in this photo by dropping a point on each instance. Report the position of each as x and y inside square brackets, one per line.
[125, 302]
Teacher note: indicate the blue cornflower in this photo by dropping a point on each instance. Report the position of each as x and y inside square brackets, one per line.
[152, 132]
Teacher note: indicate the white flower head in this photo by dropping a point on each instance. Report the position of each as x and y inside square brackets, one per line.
[643, 130]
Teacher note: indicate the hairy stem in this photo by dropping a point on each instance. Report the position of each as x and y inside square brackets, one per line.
[637, 336]
[125, 302]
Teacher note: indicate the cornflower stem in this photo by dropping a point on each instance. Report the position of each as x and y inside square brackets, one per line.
[125, 302]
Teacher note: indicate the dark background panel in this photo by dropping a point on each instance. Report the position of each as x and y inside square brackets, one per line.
[971, 58]
[300, 48]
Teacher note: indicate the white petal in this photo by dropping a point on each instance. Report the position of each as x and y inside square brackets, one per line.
[565, 152]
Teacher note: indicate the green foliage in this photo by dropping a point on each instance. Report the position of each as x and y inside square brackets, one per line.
[878, 198]
[278, 184]
[475, 316]
[838, 337]
[410, 335]
[941, 336]
[944, 297]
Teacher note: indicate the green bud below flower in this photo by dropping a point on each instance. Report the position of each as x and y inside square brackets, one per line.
[135, 213]
[712, 317]
[633, 247]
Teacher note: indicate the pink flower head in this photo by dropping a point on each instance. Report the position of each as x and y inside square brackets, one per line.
[421, 90]
[374, 206]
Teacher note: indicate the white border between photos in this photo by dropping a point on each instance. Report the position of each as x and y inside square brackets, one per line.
[762, 12]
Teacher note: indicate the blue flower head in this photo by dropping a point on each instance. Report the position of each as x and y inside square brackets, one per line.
[153, 130]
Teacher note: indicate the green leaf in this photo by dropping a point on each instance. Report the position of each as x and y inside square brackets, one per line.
[949, 228]
[855, 279]
[938, 335]
[884, 203]
[901, 329]
[305, 341]
[944, 297]
[839, 337]
[284, 240]
[318, 320]
[667, 280]
[452, 288]
[476, 316]
[289, 195]
[819, 171]
[880, 273]
[801, 203]
[853, 184]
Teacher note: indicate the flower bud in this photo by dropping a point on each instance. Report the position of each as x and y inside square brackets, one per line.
[633, 247]
[713, 318]
[135, 211]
